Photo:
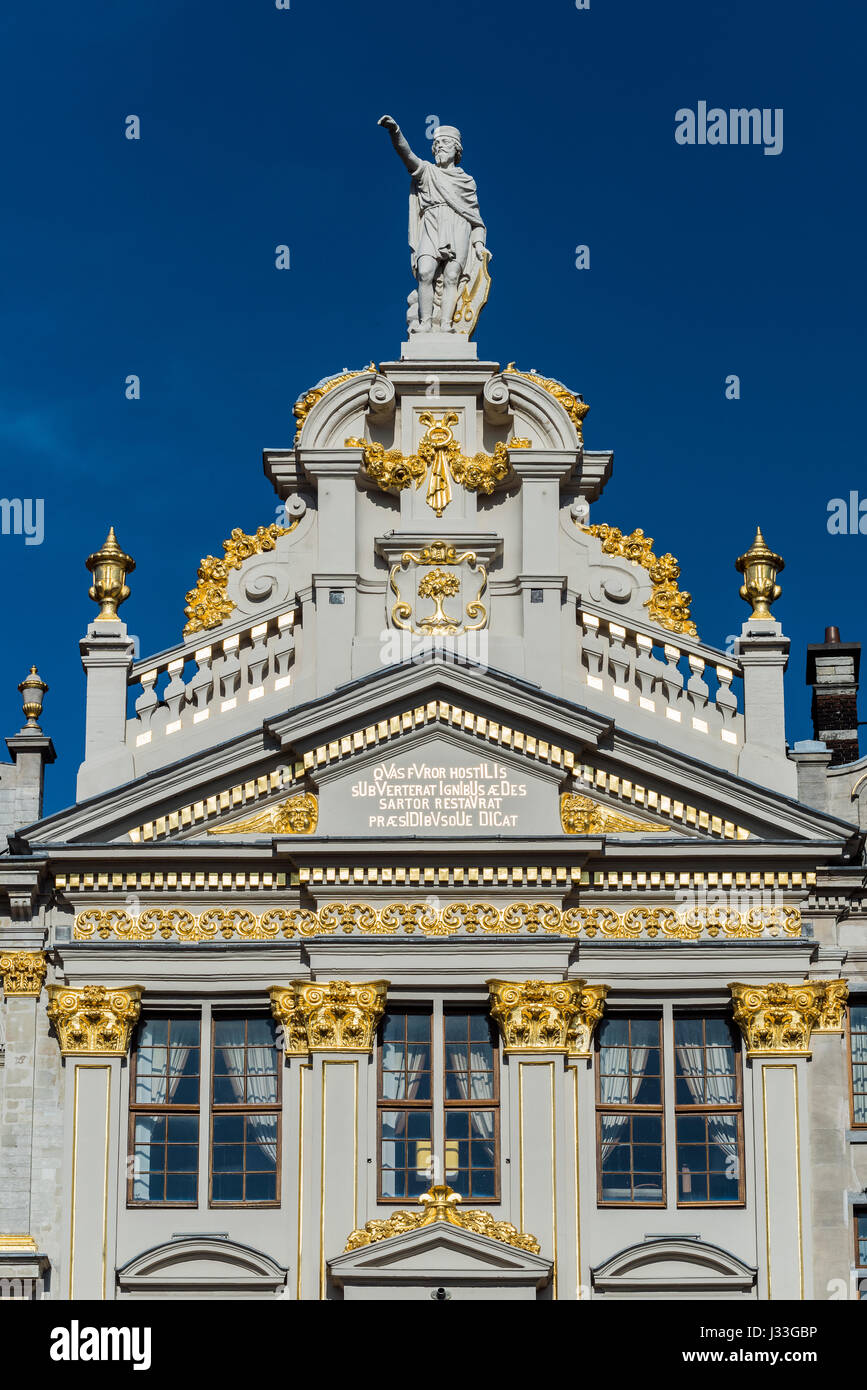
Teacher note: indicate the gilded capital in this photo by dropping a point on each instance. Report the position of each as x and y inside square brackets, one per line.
[777, 1019]
[332, 1016]
[23, 972]
[832, 1016]
[94, 1021]
[538, 1016]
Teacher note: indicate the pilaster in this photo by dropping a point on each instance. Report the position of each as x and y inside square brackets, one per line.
[106, 655]
[329, 1030]
[763, 652]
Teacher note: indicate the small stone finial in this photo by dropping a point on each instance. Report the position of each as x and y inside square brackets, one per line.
[760, 567]
[109, 567]
[34, 690]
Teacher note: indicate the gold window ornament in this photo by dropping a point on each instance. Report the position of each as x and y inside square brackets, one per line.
[542, 1016]
[440, 1203]
[332, 1016]
[23, 973]
[94, 1021]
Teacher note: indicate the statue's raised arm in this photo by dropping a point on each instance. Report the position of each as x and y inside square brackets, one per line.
[401, 144]
[446, 234]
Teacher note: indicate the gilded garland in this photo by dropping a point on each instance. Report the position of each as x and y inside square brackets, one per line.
[439, 459]
[208, 604]
[440, 1204]
[667, 605]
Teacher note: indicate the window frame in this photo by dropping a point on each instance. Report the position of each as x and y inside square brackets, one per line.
[604, 1108]
[136, 1108]
[436, 1010]
[856, 1001]
[271, 1108]
[859, 1214]
[736, 1109]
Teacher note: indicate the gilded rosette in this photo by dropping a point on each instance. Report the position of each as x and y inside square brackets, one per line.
[94, 1021]
[538, 1016]
[777, 1019]
[334, 1016]
[23, 973]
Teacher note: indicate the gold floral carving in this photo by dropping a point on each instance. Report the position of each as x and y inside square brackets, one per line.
[94, 1020]
[439, 459]
[334, 1016]
[777, 1019]
[23, 972]
[438, 584]
[297, 815]
[668, 606]
[208, 604]
[539, 1016]
[303, 406]
[833, 1014]
[573, 403]
[440, 1203]
[581, 815]
[423, 919]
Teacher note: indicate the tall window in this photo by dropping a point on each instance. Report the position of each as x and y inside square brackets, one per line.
[245, 1095]
[861, 1237]
[688, 1071]
[232, 1060]
[708, 1112]
[164, 1112]
[631, 1154]
[438, 1104]
[858, 1053]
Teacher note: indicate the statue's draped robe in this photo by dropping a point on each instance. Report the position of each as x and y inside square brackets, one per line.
[443, 213]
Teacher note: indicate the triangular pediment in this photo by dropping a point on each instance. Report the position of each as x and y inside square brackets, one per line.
[440, 1252]
[435, 714]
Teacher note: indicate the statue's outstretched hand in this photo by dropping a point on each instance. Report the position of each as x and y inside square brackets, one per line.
[389, 123]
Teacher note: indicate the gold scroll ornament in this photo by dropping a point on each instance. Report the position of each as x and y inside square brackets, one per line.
[581, 815]
[332, 1016]
[439, 459]
[541, 1016]
[208, 604]
[440, 1204]
[668, 606]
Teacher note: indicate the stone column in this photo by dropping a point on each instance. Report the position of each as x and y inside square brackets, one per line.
[828, 1119]
[94, 1026]
[541, 473]
[329, 1029]
[544, 1026]
[22, 973]
[777, 1021]
[763, 652]
[106, 655]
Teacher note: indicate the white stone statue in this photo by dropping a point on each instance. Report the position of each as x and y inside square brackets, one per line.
[447, 236]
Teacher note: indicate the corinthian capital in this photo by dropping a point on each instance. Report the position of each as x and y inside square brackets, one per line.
[538, 1016]
[94, 1021]
[334, 1016]
[777, 1019]
[833, 1006]
[23, 972]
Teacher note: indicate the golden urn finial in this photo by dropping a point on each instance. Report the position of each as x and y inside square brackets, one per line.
[109, 567]
[34, 690]
[760, 567]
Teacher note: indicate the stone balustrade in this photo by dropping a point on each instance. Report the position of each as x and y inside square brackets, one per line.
[661, 675]
[192, 688]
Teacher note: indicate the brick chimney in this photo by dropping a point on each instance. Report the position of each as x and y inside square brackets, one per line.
[832, 671]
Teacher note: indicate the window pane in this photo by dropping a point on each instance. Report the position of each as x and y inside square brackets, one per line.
[708, 1162]
[630, 1062]
[631, 1152]
[858, 1035]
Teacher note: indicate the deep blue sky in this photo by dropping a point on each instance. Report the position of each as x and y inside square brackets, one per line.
[156, 257]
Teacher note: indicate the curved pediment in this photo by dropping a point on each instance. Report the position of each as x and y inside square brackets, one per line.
[201, 1267]
[674, 1267]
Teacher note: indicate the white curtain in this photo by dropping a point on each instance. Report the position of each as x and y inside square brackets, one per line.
[157, 1084]
[477, 1086]
[260, 1080]
[715, 1086]
[615, 1089]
